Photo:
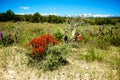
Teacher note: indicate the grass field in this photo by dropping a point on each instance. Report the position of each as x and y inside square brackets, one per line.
[93, 59]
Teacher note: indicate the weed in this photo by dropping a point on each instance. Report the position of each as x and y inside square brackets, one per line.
[55, 57]
[92, 55]
[58, 34]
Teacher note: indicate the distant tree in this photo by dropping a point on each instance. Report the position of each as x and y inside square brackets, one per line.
[46, 18]
[35, 17]
[17, 18]
[42, 19]
[98, 21]
[9, 15]
[51, 19]
[22, 17]
[101, 21]
[60, 19]
[2, 16]
[27, 17]
[107, 21]
[55, 19]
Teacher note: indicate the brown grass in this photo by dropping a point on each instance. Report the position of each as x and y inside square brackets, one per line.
[13, 66]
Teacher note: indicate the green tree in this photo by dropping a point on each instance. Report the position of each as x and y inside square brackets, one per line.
[9, 15]
[28, 17]
[2, 16]
[35, 17]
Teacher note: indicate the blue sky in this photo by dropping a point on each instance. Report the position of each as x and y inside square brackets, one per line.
[62, 7]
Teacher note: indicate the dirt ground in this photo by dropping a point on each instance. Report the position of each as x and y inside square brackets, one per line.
[14, 67]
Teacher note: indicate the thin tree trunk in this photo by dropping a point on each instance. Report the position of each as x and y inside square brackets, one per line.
[73, 33]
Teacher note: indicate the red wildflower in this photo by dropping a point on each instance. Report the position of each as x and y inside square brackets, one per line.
[27, 45]
[79, 38]
[39, 44]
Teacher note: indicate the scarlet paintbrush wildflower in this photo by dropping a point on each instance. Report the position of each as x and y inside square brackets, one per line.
[40, 44]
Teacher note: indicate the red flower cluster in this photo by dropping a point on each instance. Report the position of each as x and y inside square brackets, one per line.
[78, 37]
[41, 43]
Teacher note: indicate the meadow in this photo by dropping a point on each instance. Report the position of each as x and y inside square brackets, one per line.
[97, 57]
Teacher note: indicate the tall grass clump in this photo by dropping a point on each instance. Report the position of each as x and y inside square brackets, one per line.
[115, 40]
[102, 42]
[10, 35]
[103, 38]
[18, 34]
[93, 55]
[114, 62]
[6, 39]
[55, 57]
[45, 53]
[58, 34]
[6, 36]
[27, 35]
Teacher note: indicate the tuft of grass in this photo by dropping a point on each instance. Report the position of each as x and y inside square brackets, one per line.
[114, 62]
[54, 57]
[92, 55]
[58, 34]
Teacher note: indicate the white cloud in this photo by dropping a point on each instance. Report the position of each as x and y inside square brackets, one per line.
[44, 14]
[50, 14]
[95, 15]
[23, 13]
[69, 15]
[20, 13]
[83, 15]
[25, 7]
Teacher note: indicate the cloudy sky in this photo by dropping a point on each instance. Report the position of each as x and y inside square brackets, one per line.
[62, 7]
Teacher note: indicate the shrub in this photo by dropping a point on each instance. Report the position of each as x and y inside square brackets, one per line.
[115, 40]
[15, 32]
[6, 40]
[18, 34]
[92, 55]
[102, 43]
[56, 56]
[37, 31]
[45, 52]
[58, 34]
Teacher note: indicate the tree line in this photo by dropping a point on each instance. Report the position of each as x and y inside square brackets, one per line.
[9, 15]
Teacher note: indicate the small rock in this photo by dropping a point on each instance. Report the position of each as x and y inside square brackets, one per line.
[11, 72]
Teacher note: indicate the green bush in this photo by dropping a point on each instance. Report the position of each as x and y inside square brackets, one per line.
[92, 55]
[55, 57]
[102, 43]
[52, 62]
[115, 40]
[86, 38]
[58, 34]
[12, 34]
[6, 40]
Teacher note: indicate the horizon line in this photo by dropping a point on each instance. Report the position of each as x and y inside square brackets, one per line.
[71, 15]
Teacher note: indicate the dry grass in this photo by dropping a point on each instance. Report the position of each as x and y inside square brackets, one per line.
[13, 59]
[13, 66]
